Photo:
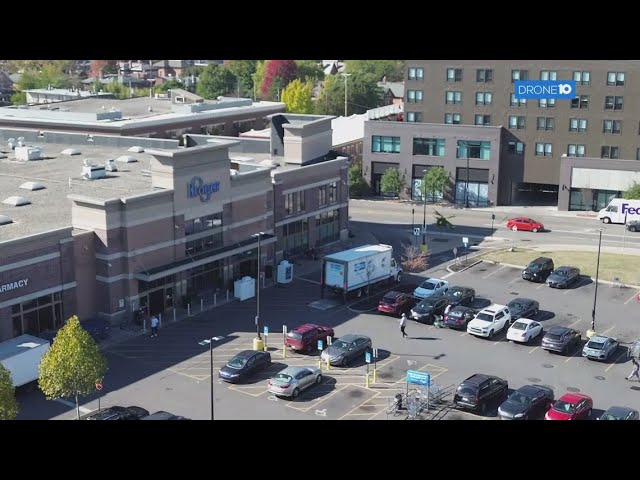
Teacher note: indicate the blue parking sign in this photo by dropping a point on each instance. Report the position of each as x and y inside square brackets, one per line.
[319, 344]
[266, 330]
[367, 357]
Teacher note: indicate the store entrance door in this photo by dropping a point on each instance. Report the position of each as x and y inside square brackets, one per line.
[156, 302]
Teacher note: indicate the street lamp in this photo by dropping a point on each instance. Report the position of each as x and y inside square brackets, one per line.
[259, 236]
[595, 294]
[424, 212]
[210, 342]
[345, 75]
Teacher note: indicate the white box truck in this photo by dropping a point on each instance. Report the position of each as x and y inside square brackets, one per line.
[21, 356]
[357, 269]
[620, 210]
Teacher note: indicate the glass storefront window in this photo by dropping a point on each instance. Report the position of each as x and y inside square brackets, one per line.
[478, 195]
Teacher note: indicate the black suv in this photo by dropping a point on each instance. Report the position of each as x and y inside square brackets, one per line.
[538, 270]
[119, 413]
[478, 391]
[162, 415]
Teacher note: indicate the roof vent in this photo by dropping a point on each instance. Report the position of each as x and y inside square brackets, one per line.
[2, 155]
[12, 143]
[126, 159]
[4, 220]
[32, 186]
[17, 201]
[25, 154]
[136, 149]
[21, 142]
[110, 166]
[70, 151]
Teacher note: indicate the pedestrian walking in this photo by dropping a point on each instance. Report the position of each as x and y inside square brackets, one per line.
[403, 324]
[636, 370]
[154, 326]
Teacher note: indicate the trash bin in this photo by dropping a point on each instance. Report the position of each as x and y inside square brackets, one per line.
[258, 344]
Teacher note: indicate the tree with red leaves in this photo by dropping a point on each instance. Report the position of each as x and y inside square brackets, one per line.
[278, 73]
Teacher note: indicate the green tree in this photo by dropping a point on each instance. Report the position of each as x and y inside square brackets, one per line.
[297, 97]
[443, 222]
[243, 71]
[393, 70]
[357, 183]
[258, 76]
[434, 182]
[194, 70]
[330, 101]
[633, 192]
[363, 94]
[73, 364]
[8, 404]
[173, 83]
[214, 81]
[391, 182]
[19, 98]
[309, 70]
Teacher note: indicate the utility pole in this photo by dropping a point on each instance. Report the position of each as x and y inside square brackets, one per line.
[345, 75]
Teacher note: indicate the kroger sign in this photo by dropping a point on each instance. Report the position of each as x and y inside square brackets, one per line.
[627, 209]
[196, 188]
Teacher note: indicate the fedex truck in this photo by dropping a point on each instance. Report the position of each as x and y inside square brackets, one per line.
[620, 210]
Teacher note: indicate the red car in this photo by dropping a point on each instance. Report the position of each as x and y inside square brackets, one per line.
[571, 406]
[396, 303]
[524, 223]
[305, 337]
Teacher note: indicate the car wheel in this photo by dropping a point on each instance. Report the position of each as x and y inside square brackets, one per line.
[483, 409]
[471, 300]
[565, 350]
[589, 413]
[398, 278]
[606, 220]
[295, 393]
[490, 334]
[632, 229]
[345, 362]
[535, 313]
[319, 379]
[514, 228]
[359, 293]
[534, 230]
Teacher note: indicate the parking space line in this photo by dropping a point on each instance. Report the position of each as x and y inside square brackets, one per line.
[444, 277]
[495, 271]
[463, 334]
[577, 353]
[315, 404]
[428, 365]
[540, 286]
[635, 295]
[607, 330]
[576, 322]
[615, 362]
[533, 350]
[358, 406]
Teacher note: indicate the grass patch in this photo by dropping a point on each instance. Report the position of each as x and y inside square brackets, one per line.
[626, 267]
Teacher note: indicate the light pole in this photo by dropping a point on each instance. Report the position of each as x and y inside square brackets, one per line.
[259, 235]
[424, 213]
[595, 294]
[413, 223]
[210, 342]
[345, 75]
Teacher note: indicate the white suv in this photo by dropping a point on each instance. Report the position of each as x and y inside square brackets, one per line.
[489, 321]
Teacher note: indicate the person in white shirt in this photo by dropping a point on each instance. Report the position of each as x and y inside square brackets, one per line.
[403, 324]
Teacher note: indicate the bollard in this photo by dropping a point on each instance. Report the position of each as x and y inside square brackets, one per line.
[188, 309]
[174, 314]
[320, 363]
[202, 304]
[160, 320]
[144, 325]
[284, 350]
[328, 364]
[375, 375]
[215, 299]
[366, 380]
[227, 295]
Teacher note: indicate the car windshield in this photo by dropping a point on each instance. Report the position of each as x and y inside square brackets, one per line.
[237, 362]
[564, 407]
[516, 306]
[519, 326]
[427, 303]
[562, 273]
[465, 391]
[608, 416]
[485, 317]
[389, 299]
[455, 313]
[283, 377]
[295, 336]
[428, 285]
[340, 345]
[595, 345]
[520, 398]
[534, 266]
[455, 293]
[554, 336]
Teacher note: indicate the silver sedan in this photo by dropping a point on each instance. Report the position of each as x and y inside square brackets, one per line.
[293, 380]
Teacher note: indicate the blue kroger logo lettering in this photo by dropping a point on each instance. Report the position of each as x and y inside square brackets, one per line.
[197, 188]
[537, 89]
[627, 209]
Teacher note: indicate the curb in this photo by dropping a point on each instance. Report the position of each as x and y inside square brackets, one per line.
[467, 267]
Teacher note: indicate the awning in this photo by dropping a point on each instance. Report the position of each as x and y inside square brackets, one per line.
[151, 274]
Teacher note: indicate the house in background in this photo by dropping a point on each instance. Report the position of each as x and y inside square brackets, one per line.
[393, 92]
[172, 68]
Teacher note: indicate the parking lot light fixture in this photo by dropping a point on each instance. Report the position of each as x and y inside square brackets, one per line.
[257, 319]
[210, 342]
[592, 331]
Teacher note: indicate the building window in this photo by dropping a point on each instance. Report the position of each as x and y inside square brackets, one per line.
[296, 236]
[610, 152]
[484, 98]
[380, 144]
[546, 123]
[201, 224]
[473, 149]
[414, 96]
[582, 78]
[484, 75]
[37, 315]
[615, 79]
[414, 117]
[416, 73]
[637, 153]
[333, 192]
[518, 103]
[433, 147]
[547, 103]
[519, 75]
[548, 75]
[578, 125]
[612, 126]
[452, 118]
[454, 74]
[613, 103]
[328, 227]
[574, 150]
[581, 102]
[453, 98]
[544, 149]
[483, 119]
[322, 195]
[294, 203]
[516, 147]
[517, 122]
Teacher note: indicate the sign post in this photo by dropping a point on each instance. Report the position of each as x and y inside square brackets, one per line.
[98, 388]
[465, 240]
[375, 365]
[320, 348]
[455, 254]
[419, 378]
[493, 217]
[367, 358]
[284, 341]
[329, 342]
[266, 334]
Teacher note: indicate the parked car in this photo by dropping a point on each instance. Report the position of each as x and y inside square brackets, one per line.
[523, 308]
[244, 364]
[538, 270]
[345, 349]
[162, 415]
[461, 296]
[620, 413]
[563, 277]
[561, 340]
[571, 406]
[396, 303]
[458, 317]
[478, 391]
[427, 309]
[98, 328]
[633, 226]
[490, 321]
[293, 380]
[119, 413]
[431, 286]
[600, 348]
[305, 337]
[524, 330]
[525, 223]
[528, 402]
